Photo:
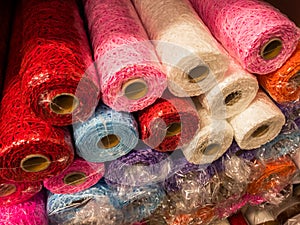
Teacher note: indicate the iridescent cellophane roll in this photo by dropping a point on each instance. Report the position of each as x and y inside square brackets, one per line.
[59, 78]
[169, 123]
[12, 193]
[106, 136]
[91, 206]
[30, 212]
[283, 85]
[260, 41]
[193, 60]
[139, 167]
[188, 186]
[137, 203]
[131, 76]
[80, 175]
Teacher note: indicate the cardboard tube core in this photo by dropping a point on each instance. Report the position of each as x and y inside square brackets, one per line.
[198, 73]
[233, 98]
[109, 141]
[35, 163]
[75, 179]
[211, 149]
[7, 189]
[64, 104]
[135, 89]
[271, 49]
[173, 129]
[260, 131]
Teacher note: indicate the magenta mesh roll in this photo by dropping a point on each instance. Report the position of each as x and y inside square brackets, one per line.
[249, 29]
[131, 76]
[79, 176]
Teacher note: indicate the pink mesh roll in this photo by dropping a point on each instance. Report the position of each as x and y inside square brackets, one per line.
[255, 33]
[131, 76]
[30, 212]
[79, 176]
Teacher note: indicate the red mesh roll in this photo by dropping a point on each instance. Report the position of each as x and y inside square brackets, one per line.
[284, 84]
[169, 123]
[237, 219]
[57, 63]
[12, 193]
[30, 149]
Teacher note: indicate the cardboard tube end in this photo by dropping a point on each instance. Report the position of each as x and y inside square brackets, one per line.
[260, 131]
[7, 189]
[135, 89]
[108, 141]
[211, 149]
[271, 49]
[173, 129]
[64, 104]
[35, 163]
[198, 73]
[75, 179]
[233, 98]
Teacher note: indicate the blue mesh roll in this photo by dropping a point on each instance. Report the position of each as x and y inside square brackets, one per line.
[91, 206]
[106, 136]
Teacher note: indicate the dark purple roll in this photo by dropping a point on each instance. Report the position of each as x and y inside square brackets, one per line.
[139, 167]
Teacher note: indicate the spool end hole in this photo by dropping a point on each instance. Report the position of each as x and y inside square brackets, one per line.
[260, 131]
[135, 89]
[109, 141]
[35, 163]
[173, 129]
[271, 49]
[7, 189]
[64, 104]
[75, 179]
[198, 73]
[211, 149]
[233, 98]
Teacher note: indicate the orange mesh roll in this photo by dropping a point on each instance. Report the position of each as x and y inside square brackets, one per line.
[274, 175]
[284, 84]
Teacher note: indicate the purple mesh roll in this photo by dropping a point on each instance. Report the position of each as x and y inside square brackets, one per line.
[291, 111]
[139, 167]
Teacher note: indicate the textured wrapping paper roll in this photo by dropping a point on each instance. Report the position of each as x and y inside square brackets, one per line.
[258, 124]
[211, 141]
[169, 123]
[106, 136]
[139, 167]
[5, 20]
[79, 176]
[257, 215]
[57, 65]
[31, 212]
[12, 193]
[272, 176]
[260, 41]
[193, 60]
[134, 79]
[233, 93]
[91, 206]
[284, 84]
[137, 203]
[31, 150]
[283, 144]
